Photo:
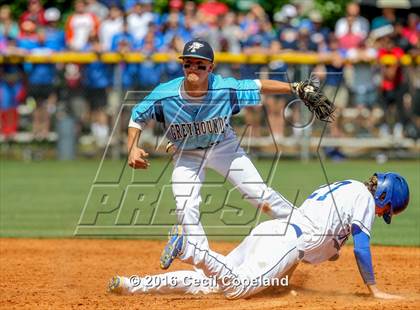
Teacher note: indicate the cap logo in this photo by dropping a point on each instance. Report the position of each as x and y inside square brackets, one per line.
[195, 46]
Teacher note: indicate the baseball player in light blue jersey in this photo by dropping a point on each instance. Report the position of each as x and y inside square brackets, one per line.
[195, 111]
[315, 233]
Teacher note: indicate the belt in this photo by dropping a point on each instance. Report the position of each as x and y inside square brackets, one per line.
[209, 146]
[297, 229]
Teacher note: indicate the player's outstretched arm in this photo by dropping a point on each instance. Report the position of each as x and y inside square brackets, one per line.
[364, 262]
[136, 156]
[272, 87]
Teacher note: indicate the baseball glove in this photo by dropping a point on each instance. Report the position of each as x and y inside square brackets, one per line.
[309, 92]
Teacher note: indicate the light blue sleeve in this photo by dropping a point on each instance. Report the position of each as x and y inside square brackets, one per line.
[248, 93]
[242, 92]
[151, 106]
[142, 113]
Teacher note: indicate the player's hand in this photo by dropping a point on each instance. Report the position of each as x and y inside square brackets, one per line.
[310, 93]
[137, 158]
[382, 295]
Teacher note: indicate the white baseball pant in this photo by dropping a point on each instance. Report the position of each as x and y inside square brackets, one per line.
[270, 252]
[230, 160]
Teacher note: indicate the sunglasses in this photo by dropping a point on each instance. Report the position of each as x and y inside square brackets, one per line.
[199, 67]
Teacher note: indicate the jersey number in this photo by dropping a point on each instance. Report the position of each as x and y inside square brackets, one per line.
[334, 187]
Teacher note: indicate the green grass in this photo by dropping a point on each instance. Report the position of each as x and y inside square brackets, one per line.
[46, 199]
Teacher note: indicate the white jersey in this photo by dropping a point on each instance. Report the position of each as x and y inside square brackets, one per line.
[274, 248]
[328, 214]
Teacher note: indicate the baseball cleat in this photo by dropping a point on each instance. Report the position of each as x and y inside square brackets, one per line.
[173, 248]
[115, 285]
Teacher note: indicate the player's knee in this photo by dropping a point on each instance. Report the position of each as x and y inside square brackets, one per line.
[272, 197]
[265, 207]
[270, 194]
[188, 212]
[267, 201]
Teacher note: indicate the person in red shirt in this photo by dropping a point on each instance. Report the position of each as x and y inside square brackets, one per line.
[411, 32]
[35, 13]
[391, 72]
[392, 81]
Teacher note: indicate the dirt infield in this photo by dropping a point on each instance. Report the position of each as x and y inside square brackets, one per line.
[65, 273]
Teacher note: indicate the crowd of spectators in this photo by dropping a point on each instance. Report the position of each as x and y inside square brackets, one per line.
[384, 97]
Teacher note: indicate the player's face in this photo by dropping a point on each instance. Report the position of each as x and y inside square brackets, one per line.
[382, 211]
[196, 70]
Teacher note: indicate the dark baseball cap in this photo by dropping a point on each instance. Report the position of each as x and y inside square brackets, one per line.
[198, 49]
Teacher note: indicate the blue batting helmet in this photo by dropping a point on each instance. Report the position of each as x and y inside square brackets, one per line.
[391, 189]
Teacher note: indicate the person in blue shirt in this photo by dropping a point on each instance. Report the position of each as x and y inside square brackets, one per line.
[149, 72]
[52, 36]
[41, 79]
[195, 111]
[12, 92]
[280, 71]
[287, 34]
[120, 37]
[255, 44]
[96, 77]
[125, 74]
[334, 84]
[319, 33]
[123, 42]
[173, 68]
[173, 27]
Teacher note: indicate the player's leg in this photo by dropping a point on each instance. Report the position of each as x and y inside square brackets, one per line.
[183, 281]
[187, 178]
[231, 161]
[236, 257]
[271, 253]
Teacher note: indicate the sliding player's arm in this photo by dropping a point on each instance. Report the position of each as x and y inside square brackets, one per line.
[364, 262]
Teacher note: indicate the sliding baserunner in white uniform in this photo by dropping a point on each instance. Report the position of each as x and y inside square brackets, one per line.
[316, 232]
